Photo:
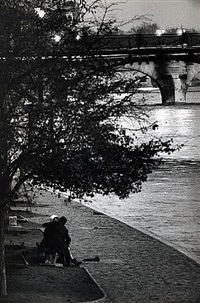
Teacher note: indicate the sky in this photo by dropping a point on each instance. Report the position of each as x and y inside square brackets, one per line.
[166, 13]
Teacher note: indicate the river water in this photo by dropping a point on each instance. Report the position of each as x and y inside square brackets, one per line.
[168, 207]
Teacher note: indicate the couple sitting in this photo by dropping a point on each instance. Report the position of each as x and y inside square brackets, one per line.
[56, 242]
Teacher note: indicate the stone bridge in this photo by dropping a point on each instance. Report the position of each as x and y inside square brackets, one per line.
[172, 77]
[172, 61]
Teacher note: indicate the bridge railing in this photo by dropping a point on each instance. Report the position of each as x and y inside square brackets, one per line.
[139, 40]
[194, 40]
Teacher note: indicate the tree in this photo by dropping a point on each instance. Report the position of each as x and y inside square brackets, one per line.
[59, 111]
[176, 30]
[144, 28]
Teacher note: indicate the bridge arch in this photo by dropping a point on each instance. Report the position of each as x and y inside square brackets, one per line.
[148, 69]
[127, 71]
[172, 77]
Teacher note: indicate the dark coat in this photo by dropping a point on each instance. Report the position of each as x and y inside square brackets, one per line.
[56, 238]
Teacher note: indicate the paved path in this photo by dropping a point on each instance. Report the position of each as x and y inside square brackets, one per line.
[133, 267]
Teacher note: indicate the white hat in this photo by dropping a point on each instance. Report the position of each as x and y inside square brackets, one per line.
[53, 217]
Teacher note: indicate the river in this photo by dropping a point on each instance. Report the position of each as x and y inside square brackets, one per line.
[168, 207]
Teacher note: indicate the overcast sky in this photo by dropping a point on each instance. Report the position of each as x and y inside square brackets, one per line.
[166, 13]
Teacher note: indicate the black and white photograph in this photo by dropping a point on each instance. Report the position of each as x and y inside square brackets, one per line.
[100, 151]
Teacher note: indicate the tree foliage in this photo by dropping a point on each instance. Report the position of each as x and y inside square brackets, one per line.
[58, 112]
[151, 28]
[144, 28]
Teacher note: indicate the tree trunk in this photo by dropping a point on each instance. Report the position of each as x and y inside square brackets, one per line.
[3, 284]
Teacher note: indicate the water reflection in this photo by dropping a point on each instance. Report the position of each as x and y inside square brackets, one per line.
[192, 96]
[169, 205]
[182, 123]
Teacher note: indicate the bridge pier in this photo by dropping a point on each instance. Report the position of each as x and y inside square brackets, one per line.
[171, 77]
[167, 90]
[173, 89]
[180, 88]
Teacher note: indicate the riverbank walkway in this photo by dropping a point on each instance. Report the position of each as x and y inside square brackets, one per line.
[127, 265]
[133, 267]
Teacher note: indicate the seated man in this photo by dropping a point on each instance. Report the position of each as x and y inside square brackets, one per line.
[66, 240]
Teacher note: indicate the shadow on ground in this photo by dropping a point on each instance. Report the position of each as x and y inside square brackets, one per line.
[28, 279]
